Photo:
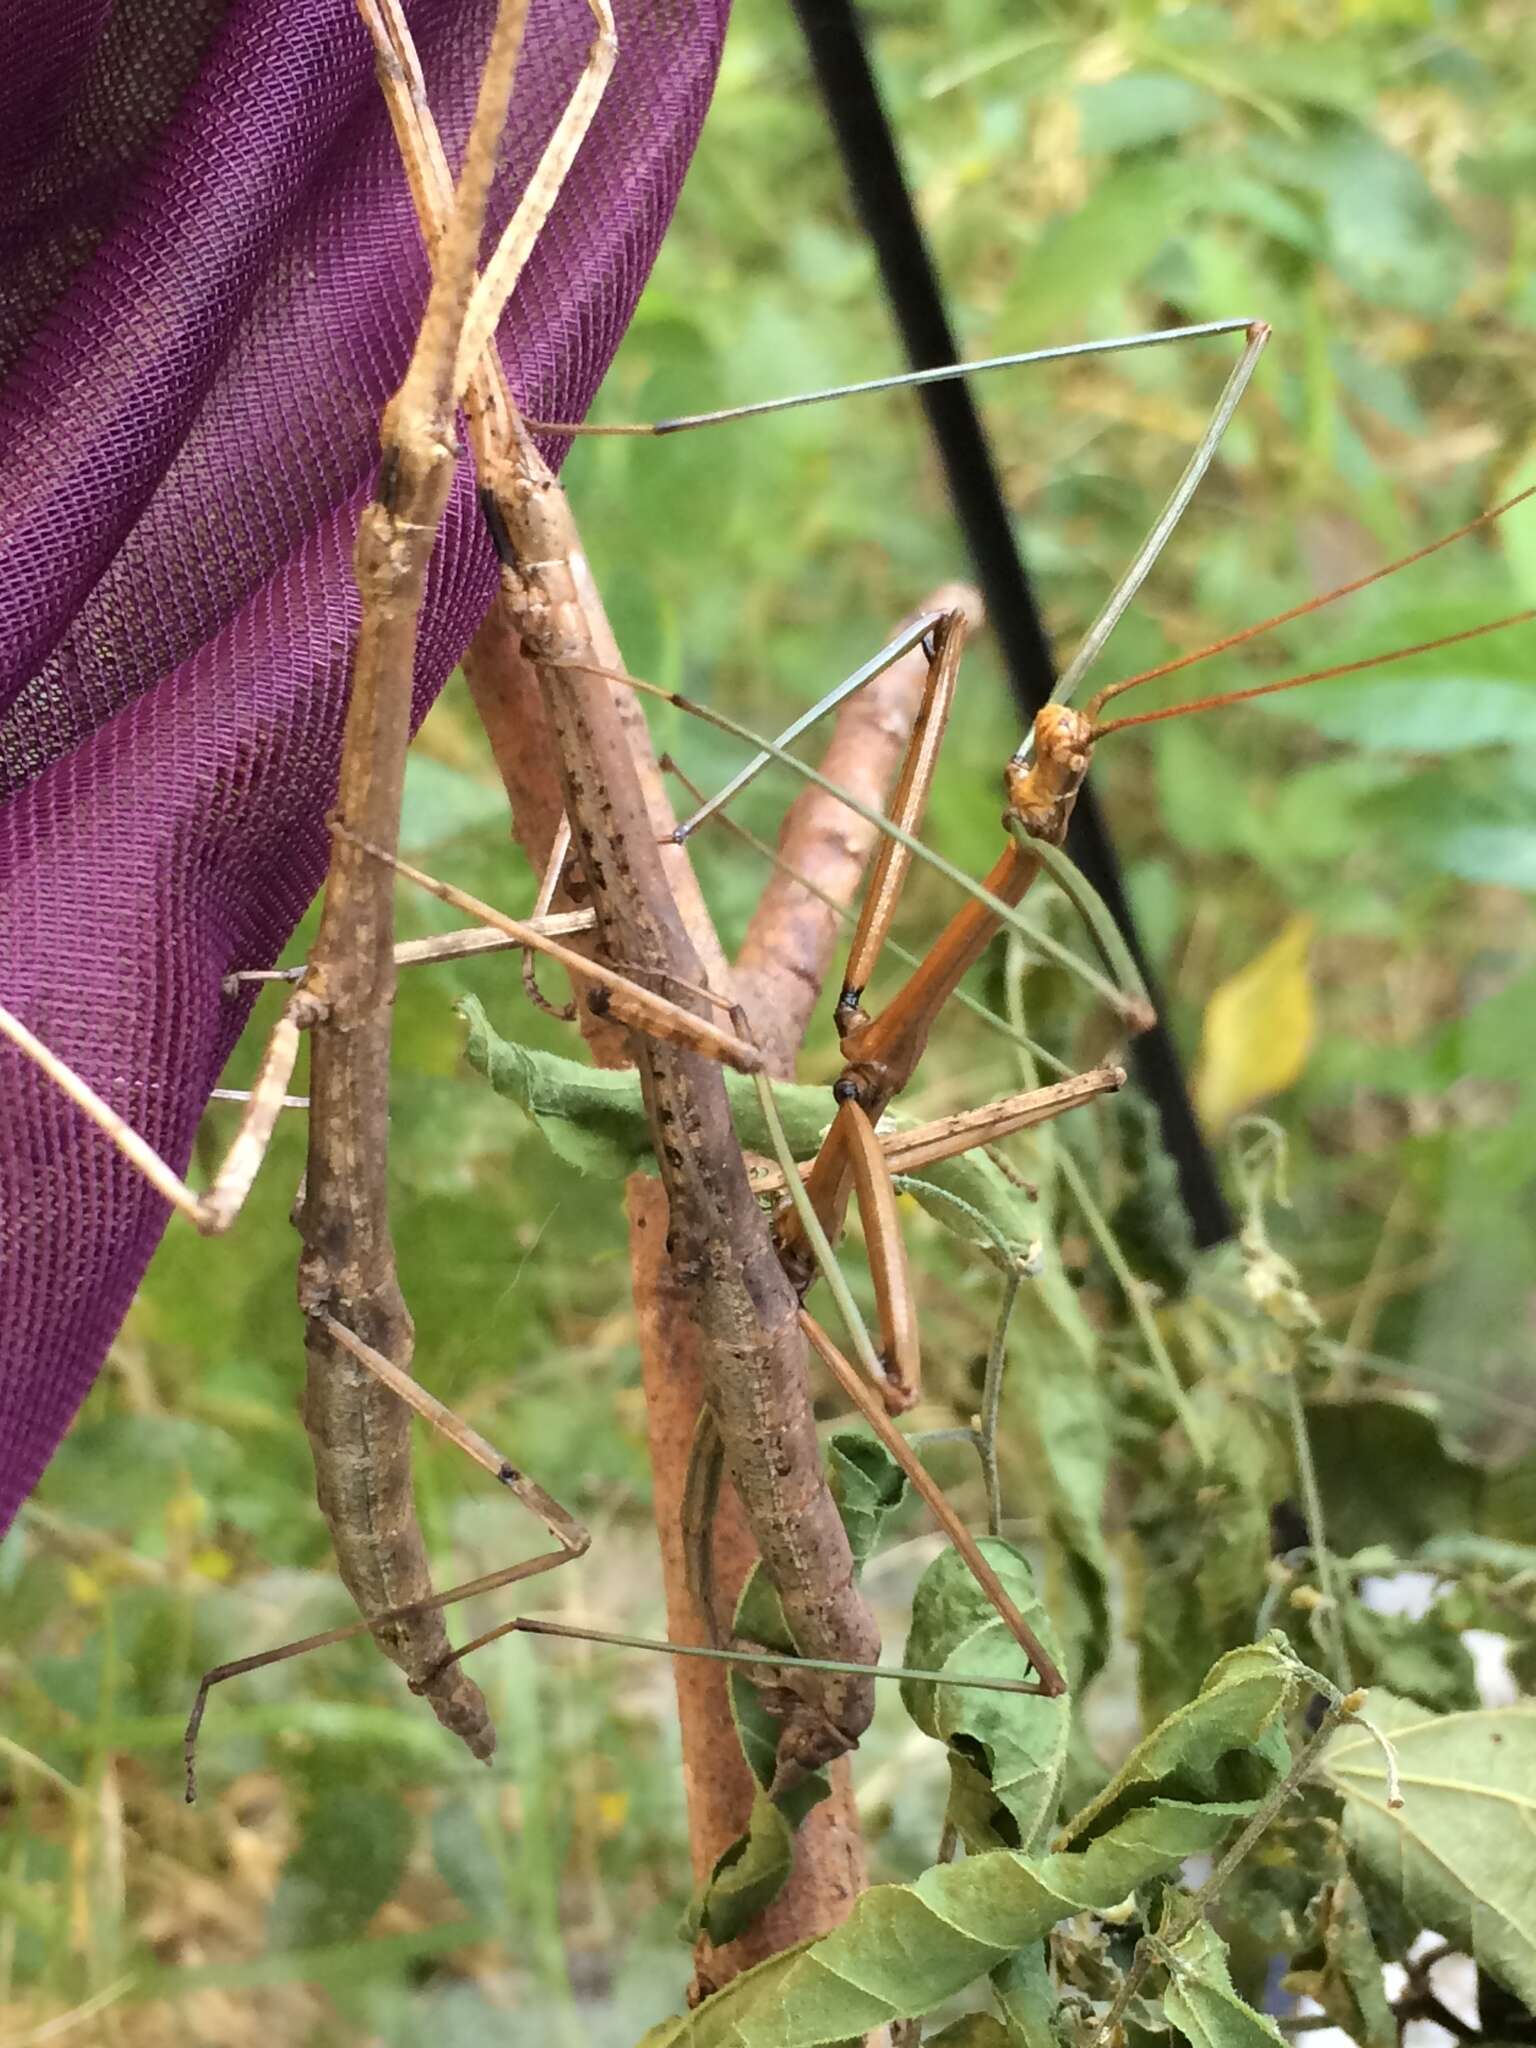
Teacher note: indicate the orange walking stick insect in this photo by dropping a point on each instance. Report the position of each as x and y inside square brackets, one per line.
[1041, 782]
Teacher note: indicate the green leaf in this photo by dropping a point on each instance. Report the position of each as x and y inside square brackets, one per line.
[1106, 244]
[1202, 1536]
[1348, 1985]
[1228, 1743]
[1518, 535]
[594, 1118]
[1460, 1852]
[1390, 238]
[905, 1948]
[747, 1876]
[1200, 1999]
[1061, 1428]
[1007, 1750]
[466, 1849]
[349, 1860]
[442, 802]
[1421, 1657]
[1450, 704]
[1501, 854]
[1026, 1998]
[586, 1115]
[1387, 1477]
[1141, 107]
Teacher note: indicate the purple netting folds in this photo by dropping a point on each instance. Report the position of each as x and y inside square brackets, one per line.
[209, 275]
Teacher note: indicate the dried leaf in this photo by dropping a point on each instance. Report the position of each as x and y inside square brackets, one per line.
[975, 2030]
[1348, 1986]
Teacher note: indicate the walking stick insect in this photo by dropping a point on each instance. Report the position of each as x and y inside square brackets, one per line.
[881, 1055]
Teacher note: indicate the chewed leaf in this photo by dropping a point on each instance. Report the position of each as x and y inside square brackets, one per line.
[867, 1484]
[905, 1948]
[747, 1877]
[1461, 1850]
[585, 1116]
[1259, 1027]
[1007, 1750]
[1348, 1987]
[1201, 2001]
[1227, 1743]
[594, 1118]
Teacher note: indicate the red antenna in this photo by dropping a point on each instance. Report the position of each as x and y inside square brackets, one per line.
[1297, 611]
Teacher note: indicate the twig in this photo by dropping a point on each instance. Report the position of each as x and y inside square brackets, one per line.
[1317, 1530]
[440, 946]
[1337, 1711]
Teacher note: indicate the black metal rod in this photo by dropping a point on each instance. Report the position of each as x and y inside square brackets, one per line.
[873, 168]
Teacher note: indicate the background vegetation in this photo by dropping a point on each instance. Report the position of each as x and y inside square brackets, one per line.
[1363, 178]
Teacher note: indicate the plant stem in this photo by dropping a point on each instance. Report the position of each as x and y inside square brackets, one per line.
[1317, 1530]
[1146, 1323]
[991, 1403]
[1266, 1812]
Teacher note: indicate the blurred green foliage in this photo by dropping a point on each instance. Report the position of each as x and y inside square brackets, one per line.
[1363, 177]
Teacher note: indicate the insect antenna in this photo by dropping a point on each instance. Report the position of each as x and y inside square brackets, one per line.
[1297, 611]
[1316, 675]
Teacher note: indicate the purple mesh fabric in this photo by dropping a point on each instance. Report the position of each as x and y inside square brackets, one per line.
[209, 278]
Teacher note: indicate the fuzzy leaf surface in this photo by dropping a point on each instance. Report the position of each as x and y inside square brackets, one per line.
[1461, 1850]
[1202, 2002]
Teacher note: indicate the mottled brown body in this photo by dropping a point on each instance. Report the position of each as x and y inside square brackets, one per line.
[754, 1363]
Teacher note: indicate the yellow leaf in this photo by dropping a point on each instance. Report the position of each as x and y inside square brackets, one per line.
[185, 1512]
[612, 1811]
[1259, 1027]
